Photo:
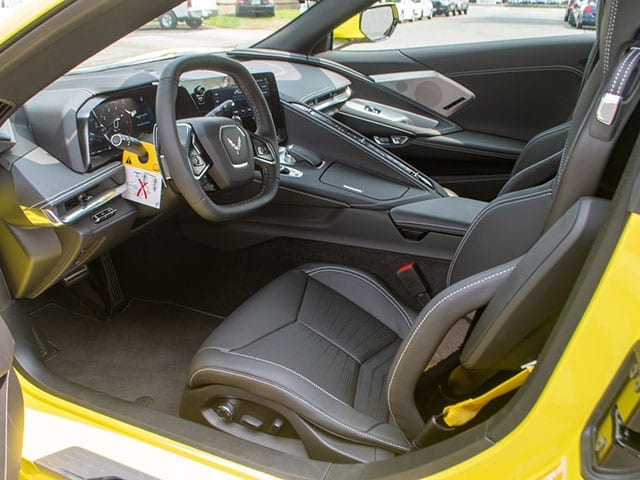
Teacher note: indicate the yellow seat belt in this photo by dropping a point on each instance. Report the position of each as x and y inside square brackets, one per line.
[465, 411]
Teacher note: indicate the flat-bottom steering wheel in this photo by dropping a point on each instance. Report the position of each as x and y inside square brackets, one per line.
[217, 146]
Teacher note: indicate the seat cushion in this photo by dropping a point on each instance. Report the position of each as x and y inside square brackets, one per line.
[318, 340]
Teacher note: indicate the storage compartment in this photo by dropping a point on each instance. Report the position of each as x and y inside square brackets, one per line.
[451, 215]
[361, 183]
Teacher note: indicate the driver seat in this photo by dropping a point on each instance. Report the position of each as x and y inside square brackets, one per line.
[324, 361]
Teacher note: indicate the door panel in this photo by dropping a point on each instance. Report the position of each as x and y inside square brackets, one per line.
[11, 407]
[533, 82]
[521, 88]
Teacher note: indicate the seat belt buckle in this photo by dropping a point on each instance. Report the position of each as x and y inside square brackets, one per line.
[413, 281]
[435, 430]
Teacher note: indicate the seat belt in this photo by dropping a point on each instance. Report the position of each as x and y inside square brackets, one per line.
[463, 412]
[445, 424]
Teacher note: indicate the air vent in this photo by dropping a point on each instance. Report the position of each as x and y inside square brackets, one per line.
[6, 108]
[323, 102]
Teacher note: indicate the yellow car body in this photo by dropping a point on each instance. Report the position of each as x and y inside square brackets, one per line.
[546, 445]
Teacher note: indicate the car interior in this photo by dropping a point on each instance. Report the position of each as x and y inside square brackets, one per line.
[294, 256]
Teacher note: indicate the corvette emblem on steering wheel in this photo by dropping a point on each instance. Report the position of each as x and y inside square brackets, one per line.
[237, 146]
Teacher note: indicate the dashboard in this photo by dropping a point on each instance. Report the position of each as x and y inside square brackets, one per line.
[68, 180]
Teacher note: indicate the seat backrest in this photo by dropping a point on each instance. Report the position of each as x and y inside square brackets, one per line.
[497, 236]
[522, 298]
[540, 158]
[515, 324]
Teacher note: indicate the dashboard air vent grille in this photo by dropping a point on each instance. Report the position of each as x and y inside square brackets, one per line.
[6, 108]
[331, 99]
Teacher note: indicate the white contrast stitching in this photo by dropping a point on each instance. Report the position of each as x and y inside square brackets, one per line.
[269, 362]
[610, 30]
[417, 328]
[563, 163]
[446, 146]
[540, 135]
[619, 71]
[428, 224]
[531, 167]
[403, 448]
[358, 275]
[484, 213]
[630, 66]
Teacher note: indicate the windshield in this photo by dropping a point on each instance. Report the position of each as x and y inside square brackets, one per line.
[194, 25]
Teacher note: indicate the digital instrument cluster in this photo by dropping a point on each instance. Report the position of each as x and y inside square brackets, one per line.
[216, 91]
[131, 116]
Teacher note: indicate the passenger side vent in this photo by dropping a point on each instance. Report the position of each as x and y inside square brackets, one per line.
[6, 108]
[328, 100]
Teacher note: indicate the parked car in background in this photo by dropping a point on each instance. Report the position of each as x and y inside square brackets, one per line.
[306, 5]
[255, 8]
[581, 13]
[444, 7]
[424, 9]
[462, 7]
[407, 10]
[586, 14]
[192, 12]
[567, 13]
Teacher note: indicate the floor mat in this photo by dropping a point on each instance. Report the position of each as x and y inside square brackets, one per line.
[141, 355]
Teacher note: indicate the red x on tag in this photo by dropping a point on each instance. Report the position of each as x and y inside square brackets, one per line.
[142, 190]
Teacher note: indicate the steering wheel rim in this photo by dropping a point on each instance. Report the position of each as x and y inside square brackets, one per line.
[225, 169]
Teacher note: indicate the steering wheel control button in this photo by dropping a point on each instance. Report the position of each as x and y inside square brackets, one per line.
[236, 144]
[262, 149]
[198, 165]
[103, 215]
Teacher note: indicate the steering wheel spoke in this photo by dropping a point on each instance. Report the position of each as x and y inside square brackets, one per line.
[197, 158]
[217, 146]
[265, 153]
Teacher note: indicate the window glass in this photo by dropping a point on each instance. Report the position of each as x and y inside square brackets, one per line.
[444, 22]
[194, 25]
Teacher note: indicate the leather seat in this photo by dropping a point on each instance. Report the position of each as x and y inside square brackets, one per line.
[324, 361]
[320, 339]
[330, 352]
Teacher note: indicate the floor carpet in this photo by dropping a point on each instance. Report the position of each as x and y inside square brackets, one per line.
[140, 355]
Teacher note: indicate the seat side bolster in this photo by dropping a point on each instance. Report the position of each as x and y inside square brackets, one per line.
[542, 145]
[434, 321]
[505, 229]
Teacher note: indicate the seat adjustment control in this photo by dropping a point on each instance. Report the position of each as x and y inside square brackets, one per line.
[226, 411]
[276, 426]
[251, 422]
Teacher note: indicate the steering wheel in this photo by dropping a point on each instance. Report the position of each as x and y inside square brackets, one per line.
[216, 146]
